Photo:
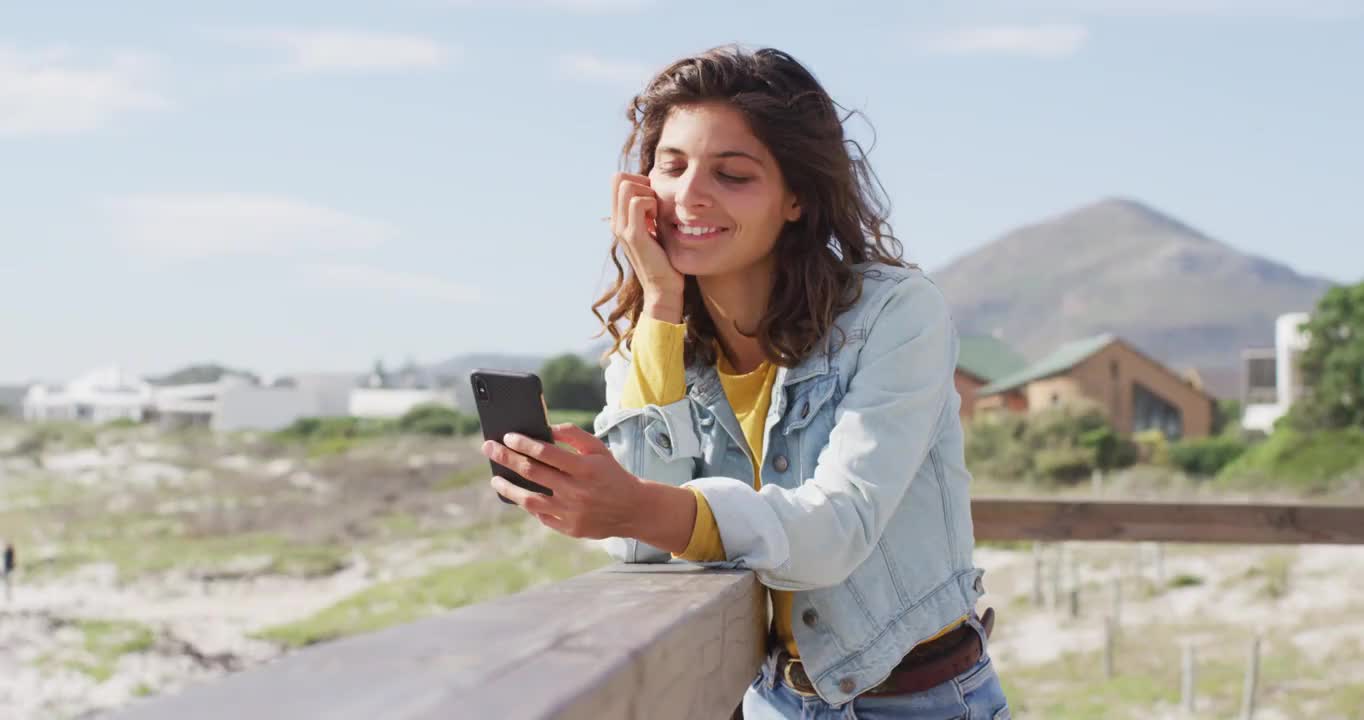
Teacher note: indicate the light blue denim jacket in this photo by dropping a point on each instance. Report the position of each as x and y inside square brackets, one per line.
[864, 508]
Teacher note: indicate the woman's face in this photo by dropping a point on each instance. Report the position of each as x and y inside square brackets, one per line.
[722, 199]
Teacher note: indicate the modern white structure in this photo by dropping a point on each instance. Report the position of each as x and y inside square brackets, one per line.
[251, 407]
[369, 402]
[98, 396]
[194, 403]
[1273, 377]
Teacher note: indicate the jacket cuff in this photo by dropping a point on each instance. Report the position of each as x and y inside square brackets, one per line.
[750, 529]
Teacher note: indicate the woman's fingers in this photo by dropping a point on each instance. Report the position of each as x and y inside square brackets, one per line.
[625, 186]
[529, 500]
[549, 454]
[579, 439]
[524, 466]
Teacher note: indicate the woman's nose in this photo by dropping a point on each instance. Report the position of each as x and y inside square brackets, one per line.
[690, 190]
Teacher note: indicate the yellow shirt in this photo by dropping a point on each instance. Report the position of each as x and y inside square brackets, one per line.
[658, 377]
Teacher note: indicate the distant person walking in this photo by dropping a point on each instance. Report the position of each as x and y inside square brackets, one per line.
[8, 571]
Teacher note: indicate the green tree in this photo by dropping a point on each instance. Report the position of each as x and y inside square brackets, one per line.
[1332, 366]
[572, 384]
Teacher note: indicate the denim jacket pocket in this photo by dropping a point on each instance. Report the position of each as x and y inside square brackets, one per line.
[810, 398]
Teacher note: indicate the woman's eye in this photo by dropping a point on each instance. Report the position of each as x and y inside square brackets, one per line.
[733, 178]
[673, 170]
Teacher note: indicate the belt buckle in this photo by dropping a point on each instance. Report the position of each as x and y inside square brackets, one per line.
[786, 677]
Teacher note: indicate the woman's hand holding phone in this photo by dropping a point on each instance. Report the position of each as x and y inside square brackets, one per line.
[593, 495]
[634, 222]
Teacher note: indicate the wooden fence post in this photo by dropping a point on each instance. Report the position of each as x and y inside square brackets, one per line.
[1186, 685]
[1056, 568]
[1252, 679]
[1037, 573]
[1117, 599]
[1110, 631]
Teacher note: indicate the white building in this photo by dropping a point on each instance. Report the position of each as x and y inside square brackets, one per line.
[98, 396]
[252, 407]
[370, 402]
[1273, 377]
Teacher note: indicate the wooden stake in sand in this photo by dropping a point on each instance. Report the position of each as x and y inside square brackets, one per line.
[1160, 564]
[1037, 574]
[1186, 680]
[1117, 599]
[1252, 679]
[1110, 640]
[1056, 566]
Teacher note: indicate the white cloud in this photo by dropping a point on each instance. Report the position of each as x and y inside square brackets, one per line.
[197, 225]
[1046, 41]
[325, 51]
[51, 91]
[351, 276]
[584, 66]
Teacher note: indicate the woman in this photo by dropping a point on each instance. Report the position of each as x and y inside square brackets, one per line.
[776, 342]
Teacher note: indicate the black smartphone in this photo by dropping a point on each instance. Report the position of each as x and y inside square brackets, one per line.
[511, 402]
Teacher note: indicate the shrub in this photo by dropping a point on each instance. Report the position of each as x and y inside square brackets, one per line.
[1152, 447]
[1206, 456]
[1110, 450]
[432, 419]
[1065, 464]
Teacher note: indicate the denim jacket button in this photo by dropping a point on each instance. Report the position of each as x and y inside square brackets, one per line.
[847, 685]
[664, 442]
[780, 463]
[810, 617]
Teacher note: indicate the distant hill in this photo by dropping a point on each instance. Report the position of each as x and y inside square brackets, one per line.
[1119, 266]
[196, 374]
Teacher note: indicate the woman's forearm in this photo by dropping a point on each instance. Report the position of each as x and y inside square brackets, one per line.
[665, 518]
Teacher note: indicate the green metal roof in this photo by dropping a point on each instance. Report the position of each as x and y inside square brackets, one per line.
[988, 358]
[1062, 359]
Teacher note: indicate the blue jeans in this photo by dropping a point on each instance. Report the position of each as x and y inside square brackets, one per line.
[973, 695]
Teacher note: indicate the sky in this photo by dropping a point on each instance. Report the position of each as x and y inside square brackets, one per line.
[316, 185]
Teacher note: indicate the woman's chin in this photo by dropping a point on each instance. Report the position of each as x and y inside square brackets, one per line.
[690, 262]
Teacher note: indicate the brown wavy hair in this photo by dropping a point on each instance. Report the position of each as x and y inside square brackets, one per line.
[844, 212]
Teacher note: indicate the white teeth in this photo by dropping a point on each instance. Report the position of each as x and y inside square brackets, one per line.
[696, 229]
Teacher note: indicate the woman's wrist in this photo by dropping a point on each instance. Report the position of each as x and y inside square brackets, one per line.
[665, 308]
[666, 516]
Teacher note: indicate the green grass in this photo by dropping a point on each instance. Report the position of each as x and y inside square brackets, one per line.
[581, 418]
[403, 601]
[1185, 580]
[1307, 461]
[135, 556]
[108, 640]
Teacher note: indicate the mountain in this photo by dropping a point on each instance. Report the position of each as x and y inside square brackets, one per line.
[1119, 266]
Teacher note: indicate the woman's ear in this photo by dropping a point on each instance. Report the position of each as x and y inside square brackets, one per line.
[791, 212]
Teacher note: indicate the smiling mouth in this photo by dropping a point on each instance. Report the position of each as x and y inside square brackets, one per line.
[698, 232]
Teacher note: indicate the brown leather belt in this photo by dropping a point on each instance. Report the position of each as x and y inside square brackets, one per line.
[928, 665]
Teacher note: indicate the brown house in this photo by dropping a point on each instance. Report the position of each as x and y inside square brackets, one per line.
[981, 360]
[1137, 392]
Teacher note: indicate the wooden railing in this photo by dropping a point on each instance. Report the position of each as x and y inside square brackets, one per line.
[650, 641]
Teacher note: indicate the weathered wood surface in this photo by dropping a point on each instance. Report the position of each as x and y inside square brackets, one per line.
[1026, 519]
[629, 641]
